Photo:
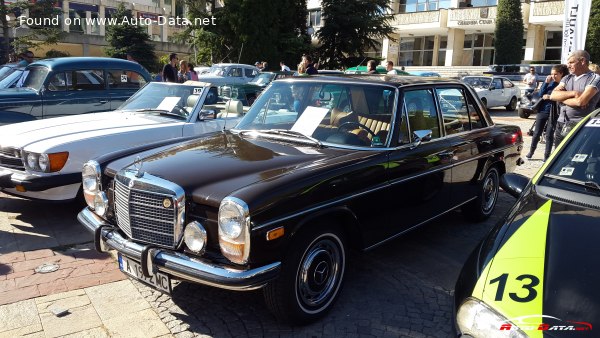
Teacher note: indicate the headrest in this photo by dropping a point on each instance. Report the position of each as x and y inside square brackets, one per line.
[339, 117]
[192, 100]
[234, 107]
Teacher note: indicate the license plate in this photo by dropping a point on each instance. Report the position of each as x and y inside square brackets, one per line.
[132, 268]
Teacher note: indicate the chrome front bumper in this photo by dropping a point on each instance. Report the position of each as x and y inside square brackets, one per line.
[173, 263]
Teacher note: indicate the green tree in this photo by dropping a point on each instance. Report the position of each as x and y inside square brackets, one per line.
[351, 27]
[509, 32]
[592, 40]
[248, 31]
[132, 39]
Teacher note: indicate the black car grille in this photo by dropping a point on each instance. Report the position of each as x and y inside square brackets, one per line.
[11, 158]
[144, 215]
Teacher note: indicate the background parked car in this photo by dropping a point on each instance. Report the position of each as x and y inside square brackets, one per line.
[43, 159]
[221, 74]
[534, 275]
[379, 69]
[424, 73]
[317, 166]
[248, 92]
[71, 85]
[495, 91]
[10, 74]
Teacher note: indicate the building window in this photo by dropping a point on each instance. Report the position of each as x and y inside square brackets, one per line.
[314, 18]
[418, 51]
[77, 21]
[478, 50]
[553, 45]
[484, 3]
[411, 6]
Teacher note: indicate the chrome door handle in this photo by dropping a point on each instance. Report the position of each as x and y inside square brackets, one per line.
[488, 142]
[103, 101]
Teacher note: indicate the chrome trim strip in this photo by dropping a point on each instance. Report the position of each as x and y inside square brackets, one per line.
[325, 205]
[416, 226]
[180, 265]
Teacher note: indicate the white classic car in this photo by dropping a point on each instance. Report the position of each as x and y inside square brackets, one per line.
[495, 91]
[43, 159]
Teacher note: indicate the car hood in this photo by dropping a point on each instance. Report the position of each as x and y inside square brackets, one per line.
[548, 259]
[212, 167]
[53, 134]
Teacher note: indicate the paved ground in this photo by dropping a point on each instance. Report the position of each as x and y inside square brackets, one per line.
[402, 289]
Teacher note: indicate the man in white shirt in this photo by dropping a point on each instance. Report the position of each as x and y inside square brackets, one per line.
[390, 68]
[530, 80]
[284, 68]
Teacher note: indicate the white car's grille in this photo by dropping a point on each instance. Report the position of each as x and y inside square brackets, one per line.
[11, 158]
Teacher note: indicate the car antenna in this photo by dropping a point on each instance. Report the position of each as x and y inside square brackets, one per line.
[363, 60]
[226, 113]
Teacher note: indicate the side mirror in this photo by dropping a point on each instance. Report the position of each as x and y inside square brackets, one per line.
[420, 136]
[513, 184]
[207, 114]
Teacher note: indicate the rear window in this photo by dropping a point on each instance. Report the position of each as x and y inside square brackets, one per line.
[125, 79]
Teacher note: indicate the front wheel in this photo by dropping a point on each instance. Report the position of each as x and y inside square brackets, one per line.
[512, 105]
[311, 278]
[482, 207]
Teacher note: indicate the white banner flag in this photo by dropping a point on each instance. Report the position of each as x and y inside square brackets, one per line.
[575, 24]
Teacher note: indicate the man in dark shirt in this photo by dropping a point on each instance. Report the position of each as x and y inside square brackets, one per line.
[169, 72]
[310, 68]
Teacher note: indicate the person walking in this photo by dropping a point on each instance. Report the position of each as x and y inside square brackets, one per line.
[169, 73]
[530, 80]
[546, 116]
[579, 92]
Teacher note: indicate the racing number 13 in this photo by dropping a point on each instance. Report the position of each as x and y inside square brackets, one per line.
[531, 292]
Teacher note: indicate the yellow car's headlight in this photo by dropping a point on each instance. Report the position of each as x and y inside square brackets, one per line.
[474, 318]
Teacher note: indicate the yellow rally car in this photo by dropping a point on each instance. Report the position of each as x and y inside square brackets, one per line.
[537, 274]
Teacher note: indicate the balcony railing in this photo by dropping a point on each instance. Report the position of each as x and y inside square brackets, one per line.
[473, 13]
[415, 18]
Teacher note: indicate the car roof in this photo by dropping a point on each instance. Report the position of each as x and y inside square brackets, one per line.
[64, 63]
[395, 80]
[233, 64]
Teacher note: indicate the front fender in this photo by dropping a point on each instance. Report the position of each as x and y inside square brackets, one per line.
[9, 117]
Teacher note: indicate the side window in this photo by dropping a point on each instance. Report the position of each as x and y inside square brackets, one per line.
[57, 83]
[123, 79]
[250, 72]
[455, 110]
[421, 111]
[508, 84]
[497, 84]
[236, 72]
[83, 80]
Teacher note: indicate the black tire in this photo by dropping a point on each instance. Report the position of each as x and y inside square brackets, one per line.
[523, 114]
[484, 101]
[483, 206]
[311, 277]
[512, 105]
[212, 97]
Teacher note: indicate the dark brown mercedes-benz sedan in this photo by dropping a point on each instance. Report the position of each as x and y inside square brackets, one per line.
[318, 166]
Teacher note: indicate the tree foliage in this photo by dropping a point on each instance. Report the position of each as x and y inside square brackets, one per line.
[592, 40]
[509, 32]
[249, 31]
[132, 39]
[350, 28]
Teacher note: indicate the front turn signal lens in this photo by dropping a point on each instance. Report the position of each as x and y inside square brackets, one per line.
[57, 160]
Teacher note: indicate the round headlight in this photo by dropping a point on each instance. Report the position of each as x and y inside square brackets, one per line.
[44, 162]
[90, 175]
[231, 219]
[32, 161]
[100, 204]
[195, 237]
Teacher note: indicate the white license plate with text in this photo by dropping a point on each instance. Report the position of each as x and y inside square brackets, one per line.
[132, 268]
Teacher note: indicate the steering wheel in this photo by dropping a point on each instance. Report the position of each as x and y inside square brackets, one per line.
[360, 125]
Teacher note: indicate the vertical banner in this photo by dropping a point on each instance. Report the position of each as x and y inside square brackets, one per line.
[575, 24]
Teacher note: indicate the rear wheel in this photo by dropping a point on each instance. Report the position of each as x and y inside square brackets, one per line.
[512, 105]
[311, 277]
[523, 114]
[482, 207]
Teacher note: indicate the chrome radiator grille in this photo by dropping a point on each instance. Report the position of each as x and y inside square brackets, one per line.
[143, 215]
[11, 158]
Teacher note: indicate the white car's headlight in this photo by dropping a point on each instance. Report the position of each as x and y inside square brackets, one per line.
[45, 162]
[234, 230]
[476, 319]
[91, 182]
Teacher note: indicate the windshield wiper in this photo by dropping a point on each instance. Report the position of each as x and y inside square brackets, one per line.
[285, 132]
[164, 111]
[587, 184]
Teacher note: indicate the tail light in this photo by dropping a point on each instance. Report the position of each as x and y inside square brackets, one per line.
[515, 137]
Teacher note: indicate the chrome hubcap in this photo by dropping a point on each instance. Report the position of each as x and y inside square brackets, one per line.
[490, 192]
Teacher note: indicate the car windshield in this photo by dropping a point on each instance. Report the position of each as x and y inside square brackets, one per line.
[577, 167]
[262, 79]
[336, 114]
[482, 82]
[176, 100]
[10, 78]
[33, 77]
[217, 70]
[6, 70]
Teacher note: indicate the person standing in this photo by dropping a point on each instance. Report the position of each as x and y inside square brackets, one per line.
[546, 115]
[193, 75]
[579, 92]
[26, 58]
[390, 68]
[169, 73]
[530, 80]
[284, 68]
[371, 67]
[308, 64]
[183, 74]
